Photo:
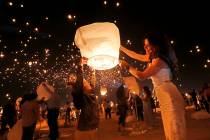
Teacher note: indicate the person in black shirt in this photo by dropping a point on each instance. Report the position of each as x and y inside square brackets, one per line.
[85, 100]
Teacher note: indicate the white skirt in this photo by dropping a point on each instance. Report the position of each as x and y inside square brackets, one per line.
[172, 111]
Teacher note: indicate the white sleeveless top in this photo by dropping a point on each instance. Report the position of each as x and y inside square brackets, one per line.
[162, 76]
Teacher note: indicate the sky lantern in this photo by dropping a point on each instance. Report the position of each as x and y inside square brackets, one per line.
[103, 90]
[132, 84]
[44, 90]
[100, 43]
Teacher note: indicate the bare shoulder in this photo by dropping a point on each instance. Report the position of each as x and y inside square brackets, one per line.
[159, 62]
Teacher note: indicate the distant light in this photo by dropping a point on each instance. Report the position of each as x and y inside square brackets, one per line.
[10, 3]
[117, 4]
[27, 23]
[25, 45]
[46, 51]
[45, 71]
[21, 5]
[205, 66]
[36, 29]
[115, 21]
[172, 42]
[105, 2]
[186, 94]
[208, 60]
[197, 47]
[191, 51]
[1, 55]
[198, 50]
[30, 63]
[15, 60]
[69, 17]
[183, 65]
[128, 42]
[20, 31]
[7, 95]
[14, 20]
[46, 18]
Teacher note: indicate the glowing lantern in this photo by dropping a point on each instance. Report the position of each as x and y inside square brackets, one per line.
[100, 43]
[103, 90]
[132, 84]
[44, 90]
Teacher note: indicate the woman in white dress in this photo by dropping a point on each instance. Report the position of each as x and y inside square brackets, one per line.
[160, 69]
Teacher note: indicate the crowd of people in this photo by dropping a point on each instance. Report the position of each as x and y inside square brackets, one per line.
[162, 66]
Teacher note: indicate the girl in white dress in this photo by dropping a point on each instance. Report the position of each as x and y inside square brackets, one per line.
[162, 61]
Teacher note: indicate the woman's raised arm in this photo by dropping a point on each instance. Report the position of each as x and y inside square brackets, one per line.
[134, 55]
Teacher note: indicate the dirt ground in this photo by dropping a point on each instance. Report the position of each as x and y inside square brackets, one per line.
[108, 130]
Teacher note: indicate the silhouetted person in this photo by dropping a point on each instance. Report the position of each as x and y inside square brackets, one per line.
[122, 107]
[108, 110]
[85, 100]
[67, 115]
[138, 104]
[194, 98]
[53, 107]
[206, 96]
[29, 115]
[9, 116]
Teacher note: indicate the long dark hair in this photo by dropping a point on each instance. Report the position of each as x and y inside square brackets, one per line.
[160, 42]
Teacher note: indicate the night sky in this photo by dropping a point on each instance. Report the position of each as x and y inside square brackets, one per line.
[36, 37]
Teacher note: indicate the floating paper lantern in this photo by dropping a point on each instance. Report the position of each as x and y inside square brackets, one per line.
[103, 90]
[132, 84]
[100, 43]
[44, 90]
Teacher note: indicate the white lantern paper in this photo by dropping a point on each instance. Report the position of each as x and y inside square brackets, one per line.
[43, 92]
[132, 84]
[100, 43]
